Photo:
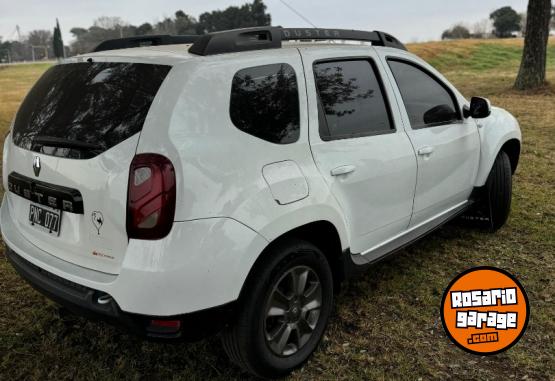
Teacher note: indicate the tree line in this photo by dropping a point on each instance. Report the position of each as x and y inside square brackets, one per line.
[39, 44]
[504, 22]
[535, 25]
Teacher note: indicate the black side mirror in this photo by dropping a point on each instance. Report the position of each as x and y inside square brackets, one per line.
[479, 108]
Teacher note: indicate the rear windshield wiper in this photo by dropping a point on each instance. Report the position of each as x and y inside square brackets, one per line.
[50, 141]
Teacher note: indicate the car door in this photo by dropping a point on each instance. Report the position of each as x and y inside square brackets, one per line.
[447, 145]
[366, 160]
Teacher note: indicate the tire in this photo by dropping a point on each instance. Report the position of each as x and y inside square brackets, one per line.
[248, 341]
[499, 189]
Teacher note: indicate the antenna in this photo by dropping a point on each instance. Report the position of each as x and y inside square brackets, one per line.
[298, 13]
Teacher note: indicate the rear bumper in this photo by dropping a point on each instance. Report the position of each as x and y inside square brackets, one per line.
[85, 302]
[200, 265]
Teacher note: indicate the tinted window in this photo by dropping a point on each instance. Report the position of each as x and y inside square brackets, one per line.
[426, 100]
[265, 103]
[351, 100]
[96, 104]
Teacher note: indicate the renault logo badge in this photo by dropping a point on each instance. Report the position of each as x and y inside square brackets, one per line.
[36, 166]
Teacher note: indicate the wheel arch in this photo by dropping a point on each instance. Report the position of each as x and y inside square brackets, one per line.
[323, 234]
[512, 149]
[499, 132]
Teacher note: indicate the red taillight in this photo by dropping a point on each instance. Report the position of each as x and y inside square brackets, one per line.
[151, 197]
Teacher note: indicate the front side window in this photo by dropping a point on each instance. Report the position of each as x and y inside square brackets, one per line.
[351, 100]
[428, 102]
[265, 103]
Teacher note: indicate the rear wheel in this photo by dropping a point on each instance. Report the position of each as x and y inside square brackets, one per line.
[283, 312]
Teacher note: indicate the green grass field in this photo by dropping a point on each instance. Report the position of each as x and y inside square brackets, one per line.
[386, 324]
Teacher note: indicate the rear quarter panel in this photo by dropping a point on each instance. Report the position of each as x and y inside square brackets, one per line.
[219, 169]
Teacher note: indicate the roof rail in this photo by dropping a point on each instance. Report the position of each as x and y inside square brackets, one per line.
[137, 41]
[259, 38]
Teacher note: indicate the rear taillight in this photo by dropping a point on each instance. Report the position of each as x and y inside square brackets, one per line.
[151, 197]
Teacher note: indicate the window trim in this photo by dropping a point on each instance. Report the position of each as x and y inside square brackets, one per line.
[298, 99]
[407, 61]
[379, 78]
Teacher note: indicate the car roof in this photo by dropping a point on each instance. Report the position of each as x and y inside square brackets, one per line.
[173, 49]
[173, 54]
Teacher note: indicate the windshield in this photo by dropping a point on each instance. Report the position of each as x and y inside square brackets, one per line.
[86, 105]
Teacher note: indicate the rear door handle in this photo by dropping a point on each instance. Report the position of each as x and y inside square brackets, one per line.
[426, 151]
[343, 170]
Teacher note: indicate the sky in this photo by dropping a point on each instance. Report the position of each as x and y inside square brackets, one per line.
[408, 20]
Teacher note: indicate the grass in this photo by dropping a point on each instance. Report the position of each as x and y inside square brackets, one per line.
[386, 323]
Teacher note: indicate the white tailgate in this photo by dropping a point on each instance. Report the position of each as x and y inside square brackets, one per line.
[96, 239]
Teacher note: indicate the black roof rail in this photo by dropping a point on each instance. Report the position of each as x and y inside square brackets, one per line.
[138, 41]
[259, 38]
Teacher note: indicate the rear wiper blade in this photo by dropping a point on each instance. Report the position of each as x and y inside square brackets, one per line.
[50, 141]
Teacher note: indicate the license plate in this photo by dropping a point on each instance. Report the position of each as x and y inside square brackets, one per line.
[47, 219]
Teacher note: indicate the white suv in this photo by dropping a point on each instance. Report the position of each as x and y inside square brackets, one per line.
[231, 185]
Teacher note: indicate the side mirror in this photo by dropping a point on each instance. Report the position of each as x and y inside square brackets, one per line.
[479, 108]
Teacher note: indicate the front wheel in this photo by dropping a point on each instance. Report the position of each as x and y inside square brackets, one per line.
[499, 191]
[283, 312]
[494, 204]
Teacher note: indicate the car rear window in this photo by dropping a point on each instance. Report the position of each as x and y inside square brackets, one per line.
[80, 110]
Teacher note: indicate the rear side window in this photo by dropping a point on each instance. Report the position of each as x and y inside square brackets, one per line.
[80, 110]
[428, 102]
[265, 103]
[352, 102]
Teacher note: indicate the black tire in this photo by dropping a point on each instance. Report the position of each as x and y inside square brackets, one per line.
[246, 341]
[499, 190]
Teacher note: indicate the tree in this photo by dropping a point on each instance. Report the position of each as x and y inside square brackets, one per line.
[248, 15]
[185, 24]
[106, 22]
[533, 65]
[78, 32]
[144, 29]
[505, 21]
[38, 44]
[104, 28]
[457, 32]
[553, 17]
[481, 29]
[40, 38]
[58, 43]
[166, 26]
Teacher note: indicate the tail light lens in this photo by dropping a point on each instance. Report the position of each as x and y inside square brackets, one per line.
[151, 197]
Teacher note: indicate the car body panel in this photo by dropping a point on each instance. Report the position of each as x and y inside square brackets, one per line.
[197, 125]
[376, 198]
[495, 131]
[102, 182]
[286, 181]
[448, 155]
